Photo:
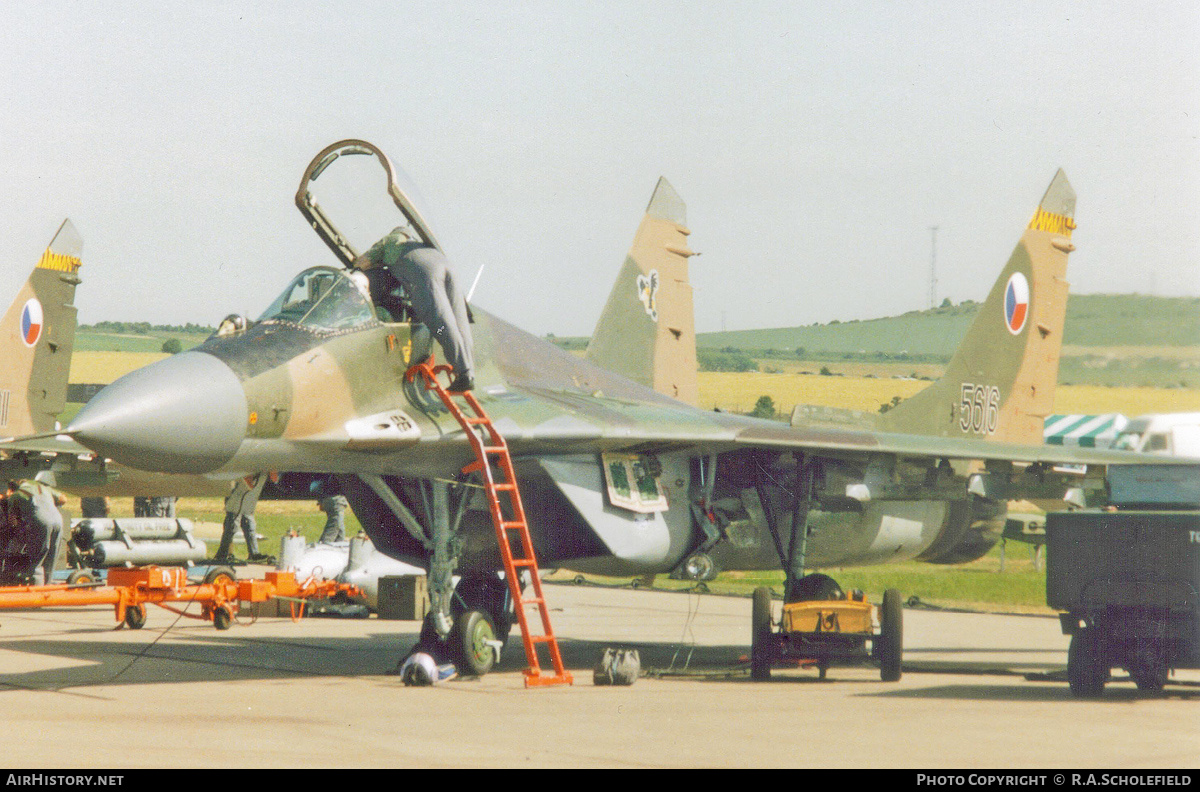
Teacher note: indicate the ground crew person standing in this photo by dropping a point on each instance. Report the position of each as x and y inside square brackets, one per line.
[11, 542]
[433, 296]
[35, 507]
[239, 511]
[334, 507]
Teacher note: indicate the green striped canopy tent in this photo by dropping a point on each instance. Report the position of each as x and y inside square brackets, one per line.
[1088, 431]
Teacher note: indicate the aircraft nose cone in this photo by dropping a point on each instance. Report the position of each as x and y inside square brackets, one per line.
[184, 414]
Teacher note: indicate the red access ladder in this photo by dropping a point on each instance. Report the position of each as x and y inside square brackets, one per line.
[494, 463]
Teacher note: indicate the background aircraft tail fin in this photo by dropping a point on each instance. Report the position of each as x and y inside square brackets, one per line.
[1000, 382]
[647, 329]
[36, 339]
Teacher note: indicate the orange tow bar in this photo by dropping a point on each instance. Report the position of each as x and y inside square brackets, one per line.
[129, 591]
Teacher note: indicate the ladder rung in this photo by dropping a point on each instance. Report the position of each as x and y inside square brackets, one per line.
[490, 443]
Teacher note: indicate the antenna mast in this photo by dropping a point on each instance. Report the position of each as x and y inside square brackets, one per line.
[933, 267]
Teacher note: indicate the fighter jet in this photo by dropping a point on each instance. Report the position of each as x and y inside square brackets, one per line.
[618, 476]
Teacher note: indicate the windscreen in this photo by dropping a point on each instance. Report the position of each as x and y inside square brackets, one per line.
[321, 298]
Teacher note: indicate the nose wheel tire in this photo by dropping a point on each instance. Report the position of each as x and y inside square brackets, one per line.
[472, 639]
[487, 594]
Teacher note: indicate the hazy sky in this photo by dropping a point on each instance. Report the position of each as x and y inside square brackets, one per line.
[814, 143]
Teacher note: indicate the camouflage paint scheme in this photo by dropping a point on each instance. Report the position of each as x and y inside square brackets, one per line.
[33, 380]
[1018, 370]
[652, 340]
[308, 400]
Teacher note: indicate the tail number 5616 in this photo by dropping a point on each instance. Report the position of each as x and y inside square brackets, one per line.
[979, 409]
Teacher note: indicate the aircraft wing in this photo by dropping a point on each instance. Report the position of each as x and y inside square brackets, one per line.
[823, 442]
[611, 424]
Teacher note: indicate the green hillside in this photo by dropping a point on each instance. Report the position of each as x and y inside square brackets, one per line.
[1101, 320]
[1093, 320]
[135, 337]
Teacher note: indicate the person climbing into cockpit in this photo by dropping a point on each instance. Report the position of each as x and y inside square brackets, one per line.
[407, 276]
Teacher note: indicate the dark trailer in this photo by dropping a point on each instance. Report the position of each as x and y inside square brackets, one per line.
[1128, 578]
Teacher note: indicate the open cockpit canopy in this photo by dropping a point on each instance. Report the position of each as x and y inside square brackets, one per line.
[404, 199]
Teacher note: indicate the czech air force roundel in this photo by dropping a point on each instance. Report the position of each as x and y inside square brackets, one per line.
[31, 322]
[1016, 303]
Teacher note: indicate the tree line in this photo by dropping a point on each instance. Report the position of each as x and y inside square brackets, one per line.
[145, 328]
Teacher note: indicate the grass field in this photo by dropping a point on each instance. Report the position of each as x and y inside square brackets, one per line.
[97, 341]
[1113, 340]
[105, 366]
[1019, 587]
[273, 518]
[739, 392]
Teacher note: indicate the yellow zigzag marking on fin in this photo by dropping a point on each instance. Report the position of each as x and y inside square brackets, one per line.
[58, 261]
[1054, 223]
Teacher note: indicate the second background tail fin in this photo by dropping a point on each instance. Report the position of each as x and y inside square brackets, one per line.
[1000, 382]
[647, 329]
[37, 338]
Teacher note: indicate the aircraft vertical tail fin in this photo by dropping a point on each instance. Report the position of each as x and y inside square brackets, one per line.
[37, 338]
[1000, 382]
[647, 329]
